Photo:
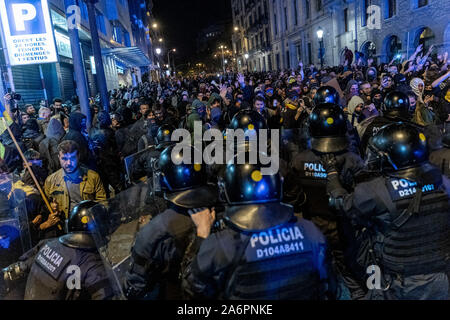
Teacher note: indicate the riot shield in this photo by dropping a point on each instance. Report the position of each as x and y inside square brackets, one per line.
[137, 165]
[15, 237]
[127, 213]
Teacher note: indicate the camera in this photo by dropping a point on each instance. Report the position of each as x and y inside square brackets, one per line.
[15, 96]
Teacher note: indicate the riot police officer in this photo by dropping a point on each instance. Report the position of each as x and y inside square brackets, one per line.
[402, 213]
[396, 105]
[306, 183]
[326, 94]
[440, 155]
[52, 263]
[160, 244]
[263, 252]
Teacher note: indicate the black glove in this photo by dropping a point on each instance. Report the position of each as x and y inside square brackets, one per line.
[329, 162]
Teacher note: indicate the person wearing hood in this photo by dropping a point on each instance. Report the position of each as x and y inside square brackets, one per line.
[214, 113]
[8, 151]
[423, 115]
[31, 135]
[371, 74]
[198, 114]
[354, 110]
[77, 132]
[376, 98]
[44, 118]
[48, 148]
[107, 153]
[351, 90]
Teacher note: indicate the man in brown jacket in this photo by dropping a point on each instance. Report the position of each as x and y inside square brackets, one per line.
[72, 183]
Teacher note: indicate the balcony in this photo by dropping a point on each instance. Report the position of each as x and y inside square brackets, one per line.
[258, 25]
[260, 48]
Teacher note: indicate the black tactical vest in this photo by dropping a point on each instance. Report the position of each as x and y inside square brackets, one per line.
[421, 244]
[48, 275]
[313, 179]
[276, 264]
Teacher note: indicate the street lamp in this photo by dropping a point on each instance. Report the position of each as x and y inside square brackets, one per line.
[158, 51]
[320, 36]
[168, 58]
[223, 62]
[246, 60]
[154, 25]
[160, 40]
[236, 29]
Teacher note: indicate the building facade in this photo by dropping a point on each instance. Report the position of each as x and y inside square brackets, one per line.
[380, 29]
[251, 38]
[123, 32]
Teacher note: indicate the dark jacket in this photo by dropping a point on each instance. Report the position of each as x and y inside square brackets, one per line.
[48, 148]
[75, 134]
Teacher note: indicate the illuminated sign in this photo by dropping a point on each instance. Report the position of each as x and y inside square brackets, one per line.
[63, 45]
[28, 32]
[94, 71]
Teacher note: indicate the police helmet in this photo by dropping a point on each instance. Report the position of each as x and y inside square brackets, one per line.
[254, 199]
[248, 120]
[397, 146]
[86, 218]
[185, 184]
[396, 105]
[328, 128]
[326, 94]
[163, 137]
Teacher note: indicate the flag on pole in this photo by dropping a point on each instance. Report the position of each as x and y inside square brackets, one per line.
[4, 114]
[3, 125]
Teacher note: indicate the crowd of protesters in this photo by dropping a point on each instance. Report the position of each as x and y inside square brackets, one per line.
[56, 139]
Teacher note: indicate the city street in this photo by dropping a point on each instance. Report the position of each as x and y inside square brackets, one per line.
[224, 150]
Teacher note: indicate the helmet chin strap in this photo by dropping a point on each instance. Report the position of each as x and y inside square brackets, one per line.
[223, 190]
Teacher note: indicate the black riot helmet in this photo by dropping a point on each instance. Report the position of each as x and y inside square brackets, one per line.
[185, 184]
[397, 146]
[85, 218]
[396, 105]
[326, 94]
[163, 137]
[254, 199]
[248, 120]
[328, 128]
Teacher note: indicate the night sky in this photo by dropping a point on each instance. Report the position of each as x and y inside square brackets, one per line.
[181, 20]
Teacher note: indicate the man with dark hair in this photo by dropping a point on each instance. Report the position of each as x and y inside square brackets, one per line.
[78, 133]
[215, 114]
[57, 106]
[72, 183]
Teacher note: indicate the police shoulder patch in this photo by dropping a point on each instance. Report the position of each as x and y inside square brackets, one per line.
[51, 260]
[403, 189]
[286, 240]
[313, 170]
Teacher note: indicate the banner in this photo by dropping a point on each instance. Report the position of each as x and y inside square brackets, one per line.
[28, 32]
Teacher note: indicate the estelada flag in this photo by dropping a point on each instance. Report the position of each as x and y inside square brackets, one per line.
[4, 114]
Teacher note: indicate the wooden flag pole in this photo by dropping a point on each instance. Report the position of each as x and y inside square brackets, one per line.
[28, 167]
